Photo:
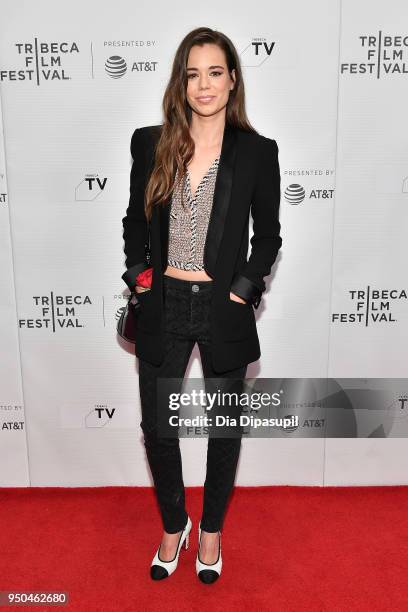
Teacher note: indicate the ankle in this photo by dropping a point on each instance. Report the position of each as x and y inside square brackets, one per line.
[210, 535]
[171, 537]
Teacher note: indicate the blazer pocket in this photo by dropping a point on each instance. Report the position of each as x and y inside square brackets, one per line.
[239, 303]
[236, 320]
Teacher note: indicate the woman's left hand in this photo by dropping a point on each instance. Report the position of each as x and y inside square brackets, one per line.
[236, 298]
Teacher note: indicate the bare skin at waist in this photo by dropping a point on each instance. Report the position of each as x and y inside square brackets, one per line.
[190, 275]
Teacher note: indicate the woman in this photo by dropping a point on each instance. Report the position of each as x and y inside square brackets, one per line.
[195, 178]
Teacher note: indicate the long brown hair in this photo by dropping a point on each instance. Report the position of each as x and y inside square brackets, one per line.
[175, 147]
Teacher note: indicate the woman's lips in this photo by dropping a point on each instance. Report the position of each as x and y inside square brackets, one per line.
[205, 99]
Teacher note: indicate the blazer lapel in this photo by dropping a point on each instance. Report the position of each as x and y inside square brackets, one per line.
[222, 197]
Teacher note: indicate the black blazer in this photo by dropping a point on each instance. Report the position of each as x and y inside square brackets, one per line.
[248, 179]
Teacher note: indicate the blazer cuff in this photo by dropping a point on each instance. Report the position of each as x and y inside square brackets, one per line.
[246, 289]
[131, 273]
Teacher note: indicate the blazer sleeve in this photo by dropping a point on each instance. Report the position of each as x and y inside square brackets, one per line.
[266, 240]
[135, 228]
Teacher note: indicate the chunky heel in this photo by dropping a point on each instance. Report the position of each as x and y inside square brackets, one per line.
[162, 569]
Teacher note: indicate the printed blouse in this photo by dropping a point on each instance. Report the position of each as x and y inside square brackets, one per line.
[188, 223]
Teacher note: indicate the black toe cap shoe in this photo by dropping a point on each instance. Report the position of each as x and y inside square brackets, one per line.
[158, 573]
[208, 576]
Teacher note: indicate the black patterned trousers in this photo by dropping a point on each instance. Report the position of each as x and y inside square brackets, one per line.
[187, 316]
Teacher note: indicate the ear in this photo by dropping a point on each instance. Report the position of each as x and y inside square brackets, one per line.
[233, 77]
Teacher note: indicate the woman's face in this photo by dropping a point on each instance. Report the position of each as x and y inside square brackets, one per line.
[208, 79]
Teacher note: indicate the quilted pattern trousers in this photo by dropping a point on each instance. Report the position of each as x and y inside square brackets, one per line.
[187, 316]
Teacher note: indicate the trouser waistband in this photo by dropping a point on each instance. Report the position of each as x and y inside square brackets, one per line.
[188, 286]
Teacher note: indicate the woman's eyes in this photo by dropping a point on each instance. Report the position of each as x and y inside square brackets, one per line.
[216, 72]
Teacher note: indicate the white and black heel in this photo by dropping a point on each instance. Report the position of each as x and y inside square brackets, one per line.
[162, 569]
[208, 572]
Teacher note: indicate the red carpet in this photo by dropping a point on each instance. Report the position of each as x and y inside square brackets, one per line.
[284, 548]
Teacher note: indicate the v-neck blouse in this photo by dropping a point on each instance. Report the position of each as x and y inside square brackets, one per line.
[188, 224]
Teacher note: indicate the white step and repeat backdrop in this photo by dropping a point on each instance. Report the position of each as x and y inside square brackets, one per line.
[328, 81]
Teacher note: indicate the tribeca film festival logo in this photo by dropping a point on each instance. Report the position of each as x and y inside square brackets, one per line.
[55, 312]
[40, 61]
[383, 55]
[370, 306]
